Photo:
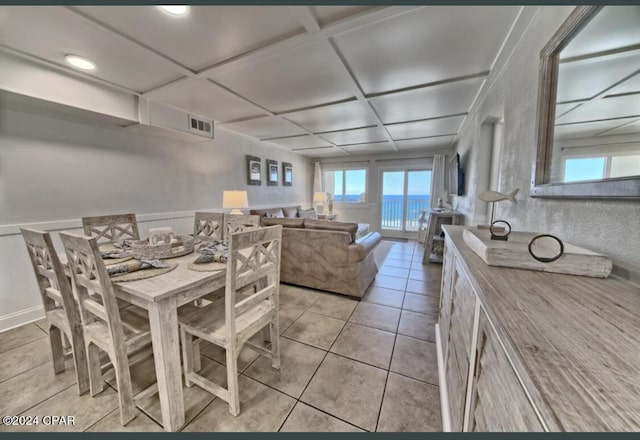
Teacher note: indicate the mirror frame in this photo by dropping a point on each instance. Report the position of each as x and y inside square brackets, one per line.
[616, 188]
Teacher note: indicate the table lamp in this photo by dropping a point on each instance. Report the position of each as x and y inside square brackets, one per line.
[319, 198]
[235, 200]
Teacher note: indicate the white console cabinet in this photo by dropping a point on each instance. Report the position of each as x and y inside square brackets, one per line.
[521, 350]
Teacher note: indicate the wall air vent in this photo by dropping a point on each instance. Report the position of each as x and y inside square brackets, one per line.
[201, 126]
[192, 127]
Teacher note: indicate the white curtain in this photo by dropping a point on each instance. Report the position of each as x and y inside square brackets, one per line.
[438, 190]
[317, 178]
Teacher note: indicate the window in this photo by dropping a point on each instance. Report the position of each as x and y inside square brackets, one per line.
[584, 168]
[347, 186]
[601, 167]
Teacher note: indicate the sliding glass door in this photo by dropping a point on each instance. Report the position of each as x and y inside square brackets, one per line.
[404, 194]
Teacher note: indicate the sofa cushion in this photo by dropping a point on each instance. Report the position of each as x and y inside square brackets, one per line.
[329, 225]
[291, 211]
[285, 222]
[307, 213]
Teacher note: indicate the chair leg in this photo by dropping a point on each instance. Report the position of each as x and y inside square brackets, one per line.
[197, 362]
[187, 355]
[232, 381]
[96, 385]
[57, 350]
[80, 361]
[125, 392]
[266, 334]
[274, 328]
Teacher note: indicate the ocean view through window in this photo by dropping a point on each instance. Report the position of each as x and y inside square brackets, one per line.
[404, 194]
[346, 186]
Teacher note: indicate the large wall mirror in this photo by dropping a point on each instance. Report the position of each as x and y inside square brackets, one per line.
[589, 107]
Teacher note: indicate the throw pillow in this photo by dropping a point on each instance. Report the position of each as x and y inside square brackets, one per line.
[274, 213]
[291, 211]
[307, 213]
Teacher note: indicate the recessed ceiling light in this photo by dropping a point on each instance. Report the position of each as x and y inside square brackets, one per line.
[175, 9]
[80, 63]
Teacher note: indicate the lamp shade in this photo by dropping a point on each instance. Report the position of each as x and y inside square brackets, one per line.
[235, 200]
[319, 197]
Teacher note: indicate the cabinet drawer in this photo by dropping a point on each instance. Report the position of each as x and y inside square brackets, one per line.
[498, 400]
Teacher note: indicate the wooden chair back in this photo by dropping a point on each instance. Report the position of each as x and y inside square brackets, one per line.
[240, 223]
[90, 280]
[208, 226]
[111, 228]
[254, 258]
[54, 286]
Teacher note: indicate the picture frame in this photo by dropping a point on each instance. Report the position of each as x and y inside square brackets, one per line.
[273, 173]
[254, 170]
[287, 174]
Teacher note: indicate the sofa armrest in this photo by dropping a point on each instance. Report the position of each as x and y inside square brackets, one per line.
[360, 249]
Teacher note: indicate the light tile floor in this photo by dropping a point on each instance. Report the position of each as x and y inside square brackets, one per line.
[347, 365]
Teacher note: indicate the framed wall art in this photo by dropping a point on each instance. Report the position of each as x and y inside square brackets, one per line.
[272, 172]
[287, 174]
[254, 170]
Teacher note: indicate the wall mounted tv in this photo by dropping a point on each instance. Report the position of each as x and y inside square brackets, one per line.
[456, 176]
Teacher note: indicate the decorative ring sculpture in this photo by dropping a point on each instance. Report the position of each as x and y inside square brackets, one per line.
[546, 259]
[503, 237]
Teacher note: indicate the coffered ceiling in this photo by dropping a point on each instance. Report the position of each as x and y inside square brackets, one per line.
[319, 80]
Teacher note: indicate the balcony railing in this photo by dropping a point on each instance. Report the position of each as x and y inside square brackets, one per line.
[392, 213]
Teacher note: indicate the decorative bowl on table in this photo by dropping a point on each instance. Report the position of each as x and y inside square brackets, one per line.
[142, 249]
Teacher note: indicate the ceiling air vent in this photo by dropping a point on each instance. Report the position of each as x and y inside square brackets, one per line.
[200, 126]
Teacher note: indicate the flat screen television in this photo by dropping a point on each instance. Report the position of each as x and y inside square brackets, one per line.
[456, 176]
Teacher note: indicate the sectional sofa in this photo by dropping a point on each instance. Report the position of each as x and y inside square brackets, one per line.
[322, 254]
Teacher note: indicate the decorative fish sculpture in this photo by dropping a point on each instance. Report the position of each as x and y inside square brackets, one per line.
[495, 196]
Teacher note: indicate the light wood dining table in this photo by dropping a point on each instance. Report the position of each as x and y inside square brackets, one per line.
[161, 296]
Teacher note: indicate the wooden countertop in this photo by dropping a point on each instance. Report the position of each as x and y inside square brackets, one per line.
[575, 341]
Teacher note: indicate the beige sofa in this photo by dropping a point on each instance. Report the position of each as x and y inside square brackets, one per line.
[325, 255]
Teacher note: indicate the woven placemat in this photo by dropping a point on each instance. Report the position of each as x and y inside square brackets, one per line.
[207, 267]
[112, 261]
[143, 274]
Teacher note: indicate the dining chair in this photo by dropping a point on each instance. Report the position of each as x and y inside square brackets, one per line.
[117, 332]
[239, 223]
[111, 228]
[208, 226]
[253, 255]
[60, 308]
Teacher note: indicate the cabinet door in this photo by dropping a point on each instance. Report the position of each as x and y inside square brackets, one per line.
[445, 298]
[461, 319]
[498, 400]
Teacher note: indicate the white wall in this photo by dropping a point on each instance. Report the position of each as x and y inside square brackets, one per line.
[609, 227]
[54, 171]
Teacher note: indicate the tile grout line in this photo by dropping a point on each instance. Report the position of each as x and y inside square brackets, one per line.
[247, 367]
[317, 368]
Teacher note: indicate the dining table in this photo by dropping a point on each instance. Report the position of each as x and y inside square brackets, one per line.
[161, 296]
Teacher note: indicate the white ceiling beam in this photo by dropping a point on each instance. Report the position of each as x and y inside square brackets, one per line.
[366, 18]
[306, 18]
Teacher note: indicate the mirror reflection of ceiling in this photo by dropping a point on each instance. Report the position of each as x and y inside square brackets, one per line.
[597, 119]
[599, 76]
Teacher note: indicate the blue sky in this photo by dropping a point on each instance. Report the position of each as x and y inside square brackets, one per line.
[419, 183]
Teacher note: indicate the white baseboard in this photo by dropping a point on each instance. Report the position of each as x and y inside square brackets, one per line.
[444, 396]
[22, 317]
